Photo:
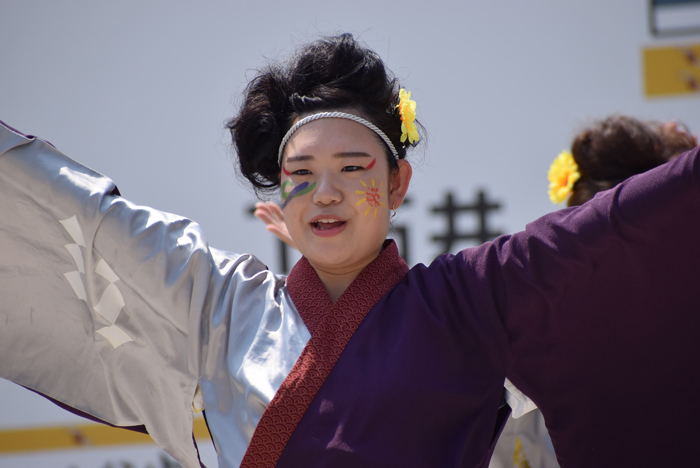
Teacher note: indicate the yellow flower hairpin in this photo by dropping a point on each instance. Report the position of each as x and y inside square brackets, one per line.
[407, 111]
[563, 174]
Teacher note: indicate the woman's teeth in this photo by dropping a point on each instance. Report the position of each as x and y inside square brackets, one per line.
[327, 223]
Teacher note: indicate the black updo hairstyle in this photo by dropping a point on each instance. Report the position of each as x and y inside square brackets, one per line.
[619, 147]
[329, 74]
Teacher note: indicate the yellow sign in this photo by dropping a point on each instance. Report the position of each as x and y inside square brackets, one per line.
[670, 71]
[80, 436]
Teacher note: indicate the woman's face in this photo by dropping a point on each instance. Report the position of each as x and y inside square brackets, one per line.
[337, 193]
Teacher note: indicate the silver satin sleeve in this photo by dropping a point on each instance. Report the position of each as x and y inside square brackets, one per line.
[120, 310]
[239, 381]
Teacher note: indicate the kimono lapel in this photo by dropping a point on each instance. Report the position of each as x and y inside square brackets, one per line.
[331, 327]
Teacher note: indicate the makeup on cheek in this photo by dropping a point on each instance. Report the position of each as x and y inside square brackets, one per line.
[372, 196]
[297, 191]
[371, 165]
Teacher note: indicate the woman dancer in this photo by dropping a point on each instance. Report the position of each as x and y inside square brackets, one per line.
[603, 155]
[121, 311]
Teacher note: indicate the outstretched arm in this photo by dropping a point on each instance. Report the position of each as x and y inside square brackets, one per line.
[600, 307]
[102, 300]
[120, 311]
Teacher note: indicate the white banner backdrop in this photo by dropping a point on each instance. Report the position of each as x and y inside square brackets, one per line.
[140, 91]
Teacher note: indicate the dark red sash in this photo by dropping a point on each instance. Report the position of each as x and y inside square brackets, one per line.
[331, 327]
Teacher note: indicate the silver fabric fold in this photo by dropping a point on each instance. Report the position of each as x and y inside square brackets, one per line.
[120, 310]
[255, 337]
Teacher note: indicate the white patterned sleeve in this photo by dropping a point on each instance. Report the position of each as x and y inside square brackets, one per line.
[102, 300]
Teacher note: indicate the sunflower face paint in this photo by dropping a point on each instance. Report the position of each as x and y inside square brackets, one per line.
[372, 195]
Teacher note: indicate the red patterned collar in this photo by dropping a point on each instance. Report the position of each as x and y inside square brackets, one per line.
[313, 302]
[331, 326]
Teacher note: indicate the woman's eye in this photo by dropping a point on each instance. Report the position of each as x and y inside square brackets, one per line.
[352, 168]
[302, 172]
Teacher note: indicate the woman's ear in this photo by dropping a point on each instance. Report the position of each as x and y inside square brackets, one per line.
[399, 184]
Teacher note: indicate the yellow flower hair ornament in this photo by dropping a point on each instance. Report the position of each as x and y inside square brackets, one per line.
[407, 112]
[563, 174]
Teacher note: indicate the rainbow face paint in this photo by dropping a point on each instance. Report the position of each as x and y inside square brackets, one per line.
[299, 190]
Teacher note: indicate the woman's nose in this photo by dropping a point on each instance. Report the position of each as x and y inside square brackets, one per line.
[327, 191]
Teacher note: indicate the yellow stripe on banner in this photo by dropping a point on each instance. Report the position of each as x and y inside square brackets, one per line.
[85, 435]
[672, 71]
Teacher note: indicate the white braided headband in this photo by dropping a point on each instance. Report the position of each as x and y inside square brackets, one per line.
[335, 115]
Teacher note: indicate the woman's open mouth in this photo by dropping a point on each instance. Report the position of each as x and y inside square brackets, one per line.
[327, 226]
[328, 223]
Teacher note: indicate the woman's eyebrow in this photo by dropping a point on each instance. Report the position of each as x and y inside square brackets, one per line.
[302, 157]
[344, 154]
[352, 154]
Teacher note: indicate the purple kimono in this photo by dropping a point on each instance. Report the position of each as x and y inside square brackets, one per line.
[593, 312]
